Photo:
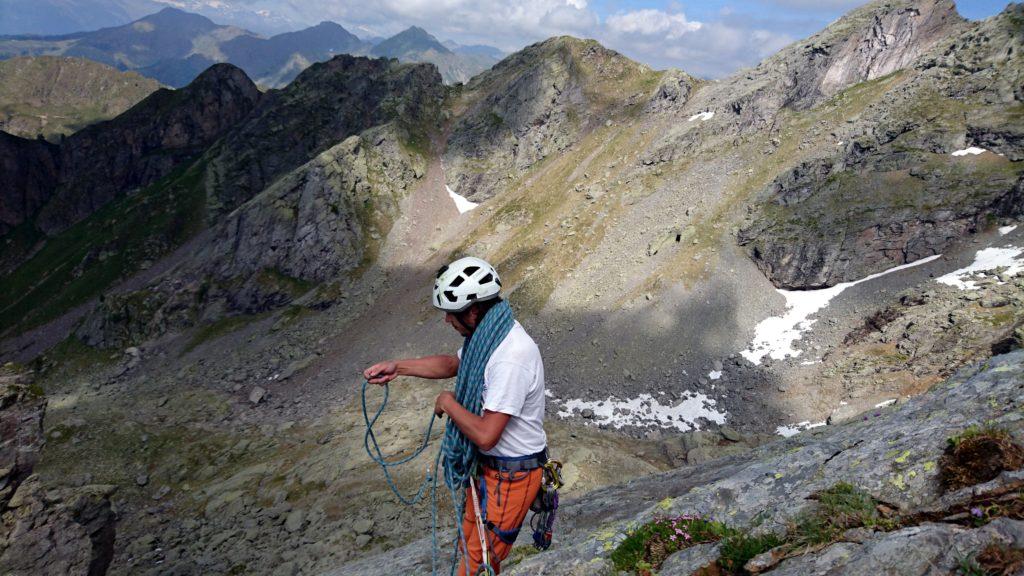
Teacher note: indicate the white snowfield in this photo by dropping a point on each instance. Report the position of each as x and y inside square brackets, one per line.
[461, 204]
[986, 260]
[1004, 230]
[973, 150]
[776, 335]
[792, 429]
[645, 410]
[702, 116]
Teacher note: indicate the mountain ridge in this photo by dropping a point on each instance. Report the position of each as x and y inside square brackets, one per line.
[173, 46]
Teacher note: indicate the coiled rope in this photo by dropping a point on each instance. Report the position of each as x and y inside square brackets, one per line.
[457, 454]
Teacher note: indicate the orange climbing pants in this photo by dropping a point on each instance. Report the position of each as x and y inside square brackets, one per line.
[505, 499]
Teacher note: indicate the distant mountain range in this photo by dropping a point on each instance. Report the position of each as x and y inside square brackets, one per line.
[173, 46]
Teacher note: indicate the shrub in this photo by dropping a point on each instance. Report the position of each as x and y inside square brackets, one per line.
[646, 547]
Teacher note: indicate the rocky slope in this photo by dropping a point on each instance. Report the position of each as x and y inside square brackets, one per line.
[532, 104]
[913, 196]
[891, 454]
[57, 96]
[269, 136]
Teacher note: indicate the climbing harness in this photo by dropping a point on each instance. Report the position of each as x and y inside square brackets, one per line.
[545, 505]
[459, 455]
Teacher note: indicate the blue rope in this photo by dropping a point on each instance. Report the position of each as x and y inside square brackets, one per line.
[458, 453]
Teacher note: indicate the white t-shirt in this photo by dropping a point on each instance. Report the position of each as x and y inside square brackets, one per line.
[514, 385]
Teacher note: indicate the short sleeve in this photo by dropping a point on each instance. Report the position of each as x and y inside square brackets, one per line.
[506, 387]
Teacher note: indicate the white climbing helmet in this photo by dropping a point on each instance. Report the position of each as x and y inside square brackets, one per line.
[463, 282]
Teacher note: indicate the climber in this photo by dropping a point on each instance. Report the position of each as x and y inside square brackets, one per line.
[509, 433]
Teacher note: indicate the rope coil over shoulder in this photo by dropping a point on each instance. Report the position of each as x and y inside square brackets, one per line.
[457, 453]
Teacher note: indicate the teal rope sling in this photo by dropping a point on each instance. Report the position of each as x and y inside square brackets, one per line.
[457, 453]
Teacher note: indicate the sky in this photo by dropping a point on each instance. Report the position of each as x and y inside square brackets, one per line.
[710, 38]
[706, 38]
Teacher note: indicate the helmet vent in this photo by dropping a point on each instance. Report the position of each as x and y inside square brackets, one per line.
[470, 270]
[471, 297]
[449, 295]
[487, 278]
[457, 281]
[441, 270]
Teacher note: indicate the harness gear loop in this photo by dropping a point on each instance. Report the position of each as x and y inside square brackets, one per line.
[545, 505]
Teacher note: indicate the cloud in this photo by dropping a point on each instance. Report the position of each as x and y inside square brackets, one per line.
[711, 49]
[650, 22]
[507, 25]
[818, 5]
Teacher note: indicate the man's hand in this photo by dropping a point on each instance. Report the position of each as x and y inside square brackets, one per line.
[443, 401]
[381, 373]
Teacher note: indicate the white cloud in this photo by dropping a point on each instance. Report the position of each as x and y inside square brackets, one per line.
[650, 22]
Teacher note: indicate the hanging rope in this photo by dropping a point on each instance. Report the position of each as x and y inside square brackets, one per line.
[458, 453]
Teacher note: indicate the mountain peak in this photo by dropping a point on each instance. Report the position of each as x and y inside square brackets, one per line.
[174, 16]
[412, 39]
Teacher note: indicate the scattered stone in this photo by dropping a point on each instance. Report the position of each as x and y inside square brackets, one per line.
[295, 521]
[363, 526]
[587, 413]
[730, 434]
[994, 302]
[257, 395]
[362, 540]
[142, 479]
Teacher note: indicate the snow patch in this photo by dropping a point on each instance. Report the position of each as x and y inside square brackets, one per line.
[973, 150]
[461, 204]
[787, 431]
[715, 374]
[986, 259]
[885, 403]
[702, 116]
[775, 336]
[1004, 230]
[645, 410]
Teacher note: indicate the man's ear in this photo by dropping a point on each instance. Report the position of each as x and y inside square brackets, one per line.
[473, 315]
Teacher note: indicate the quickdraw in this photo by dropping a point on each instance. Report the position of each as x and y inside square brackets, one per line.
[545, 505]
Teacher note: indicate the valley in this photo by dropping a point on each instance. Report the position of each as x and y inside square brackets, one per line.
[745, 290]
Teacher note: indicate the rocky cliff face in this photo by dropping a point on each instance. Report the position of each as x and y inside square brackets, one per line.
[145, 143]
[894, 191]
[44, 530]
[30, 169]
[314, 225]
[327, 103]
[59, 186]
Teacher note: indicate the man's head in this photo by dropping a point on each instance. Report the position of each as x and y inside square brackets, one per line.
[465, 290]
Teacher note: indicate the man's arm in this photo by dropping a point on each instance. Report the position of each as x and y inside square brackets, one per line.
[483, 431]
[435, 367]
